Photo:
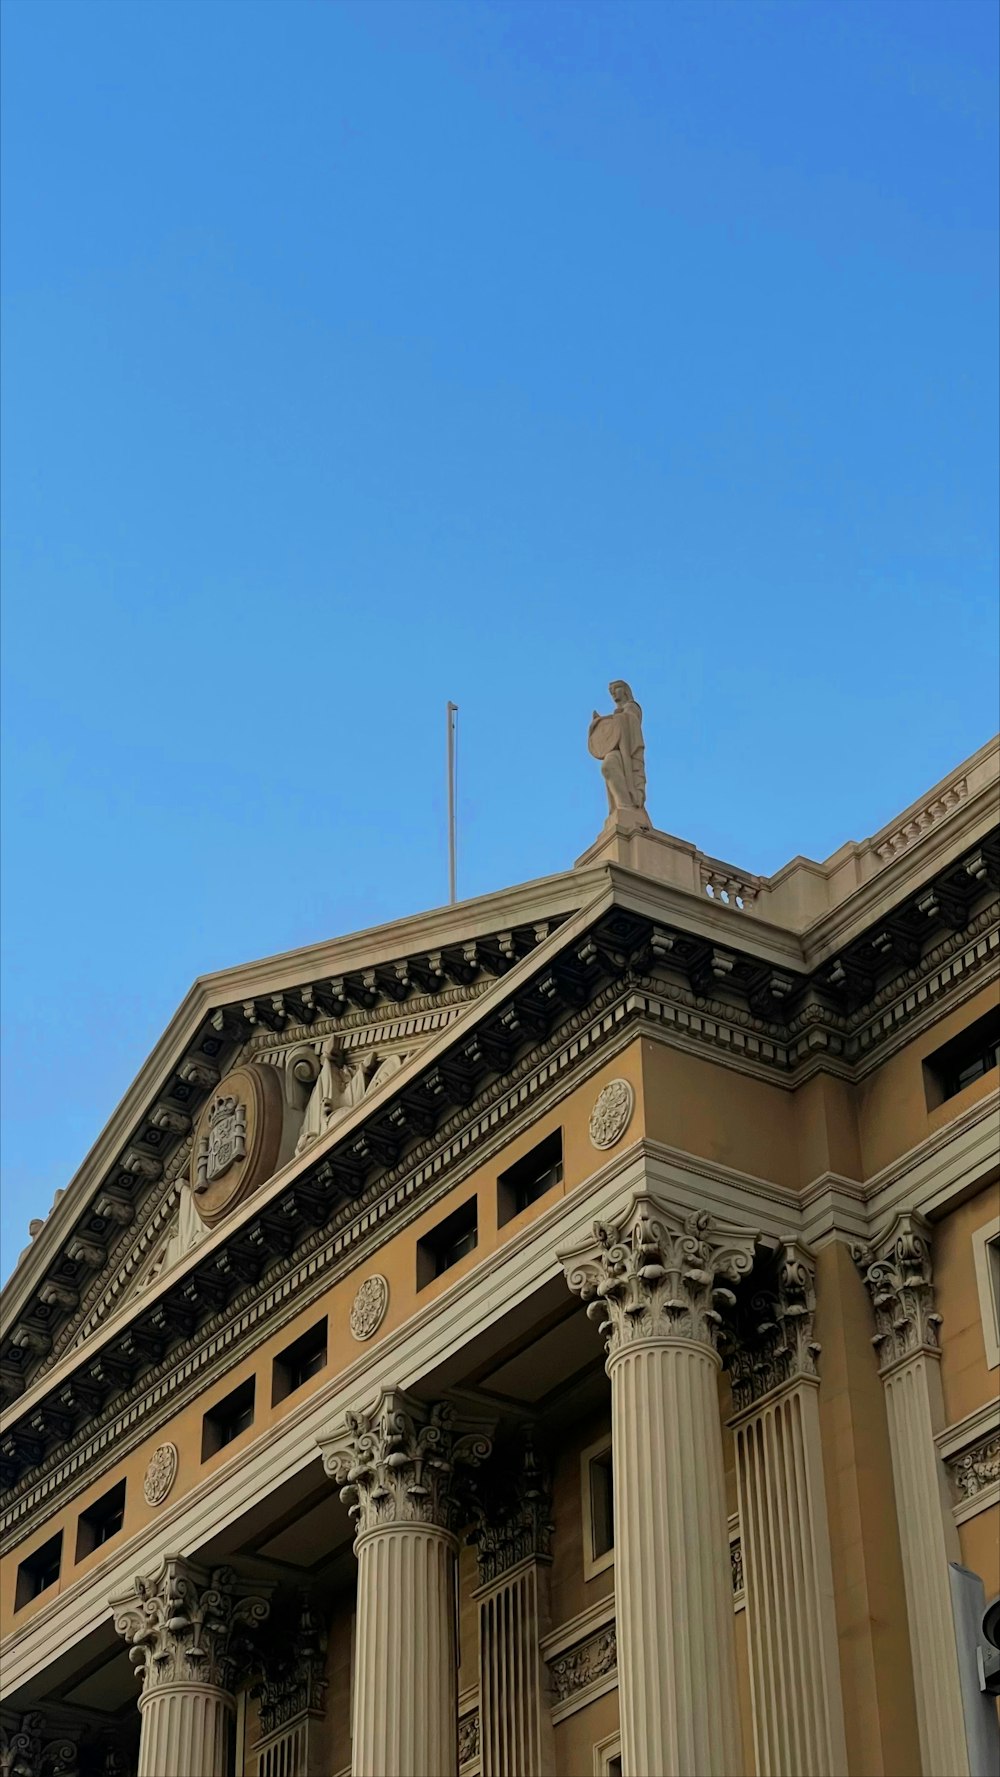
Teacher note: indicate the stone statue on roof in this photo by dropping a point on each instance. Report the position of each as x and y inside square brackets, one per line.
[616, 740]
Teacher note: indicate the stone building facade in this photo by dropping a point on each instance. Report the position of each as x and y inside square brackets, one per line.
[551, 1336]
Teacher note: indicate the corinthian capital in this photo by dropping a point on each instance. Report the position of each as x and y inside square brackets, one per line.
[771, 1338]
[185, 1624]
[397, 1462]
[897, 1272]
[659, 1273]
[28, 1748]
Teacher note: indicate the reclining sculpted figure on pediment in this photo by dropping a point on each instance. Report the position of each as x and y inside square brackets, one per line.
[341, 1084]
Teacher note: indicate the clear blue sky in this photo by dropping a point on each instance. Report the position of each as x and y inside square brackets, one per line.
[362, 356]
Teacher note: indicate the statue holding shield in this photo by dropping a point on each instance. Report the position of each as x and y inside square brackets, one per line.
[616, 740]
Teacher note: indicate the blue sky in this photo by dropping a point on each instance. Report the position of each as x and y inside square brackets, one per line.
[361, 356]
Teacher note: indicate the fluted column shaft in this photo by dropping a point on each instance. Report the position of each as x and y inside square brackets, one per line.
[655, 1280]
[798, 1716]
[406, 1655]
[184, 1626]
[515, 1723]
[673, 1579]
[897, 1271]
[185, 1731]
[397, 1463]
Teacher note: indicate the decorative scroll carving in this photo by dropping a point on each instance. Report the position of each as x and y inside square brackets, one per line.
[897, 1272]
[513, 1517]
[185, 1624]
[654, 1274]
[468, 1737]
[369, 1307]
[771, 1342]
[582, 1665]
[397, 1462]
[977, 1467]
[28, 1749]
[161, 1473]
[294, 1682]
[611, 1114]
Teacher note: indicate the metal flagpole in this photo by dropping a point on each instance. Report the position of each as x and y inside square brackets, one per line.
[452, 740]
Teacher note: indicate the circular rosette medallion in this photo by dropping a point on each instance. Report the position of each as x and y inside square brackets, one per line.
[237, 1140]
[369, 1307]
[161, 1473]
[612, 1113]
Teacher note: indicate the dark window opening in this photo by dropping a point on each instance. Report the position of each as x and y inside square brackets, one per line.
[38, 1572]
[615, 1765]
[101, 1521]
[602, 1504]
[530, 1177]
[228, 1419]
[450, 1241]
[305, 1357]
[974, 1052]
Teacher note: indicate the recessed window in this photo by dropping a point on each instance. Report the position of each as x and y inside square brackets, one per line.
[101, 1521]
[598, 1491]
[530, 1177]
[986, 1252]
[228, 1419]
[305, 1357]
[966, 1058]
[450, 1241]
[38, 1571]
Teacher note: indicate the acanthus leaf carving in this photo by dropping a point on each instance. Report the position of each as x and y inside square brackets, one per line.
[769, 1340]
[186, 1624]
[659, 1273]
[400, 1461]
[897, 1271]
[293, 1677]
[513, 1516]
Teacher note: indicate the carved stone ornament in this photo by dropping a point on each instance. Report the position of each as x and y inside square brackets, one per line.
[736, 1565]
[976, 1468]
[583, 1665]
[612, 1113]
[161, 1473]
[28, 1749]
[898, 1276]
[397, 1462]
[369, 1308]
[293, 1680]
[237, 1140]
[616, 740]
[186, 1625]
[513, 1516]
[770, 1341]
[468, 1737]
[655, 1274]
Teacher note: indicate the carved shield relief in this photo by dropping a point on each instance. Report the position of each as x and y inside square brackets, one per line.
[237, 1141]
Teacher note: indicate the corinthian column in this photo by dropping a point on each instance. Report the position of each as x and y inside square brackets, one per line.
[186, 1628]
[798, 1717]
[513, 1538]
[897, 1272]
[397, 1467]
[651, 1281]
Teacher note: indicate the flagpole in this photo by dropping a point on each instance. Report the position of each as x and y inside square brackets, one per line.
[452, 836]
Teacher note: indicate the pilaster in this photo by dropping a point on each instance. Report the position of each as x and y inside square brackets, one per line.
[898, 1275]
[657, 1282]
[513, 1536]
[187, 1630]
[399, 1465]
[798, 1718]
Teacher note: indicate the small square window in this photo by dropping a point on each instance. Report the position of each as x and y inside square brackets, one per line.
[101, 1521]
[228, 1419]
[530, 1177]
[38, 1571]
[598, 1499]
[446, 1244]
[293, 1367]
[986, 1252]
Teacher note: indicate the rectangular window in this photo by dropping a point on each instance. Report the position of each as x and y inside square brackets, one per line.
[986, 1253]
[450, 1241]
[530, 1177]
[38, 1571]
[974, 1052]
[305, 1357]
[598, 1500]
[228, 1419]
[101, 1521]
